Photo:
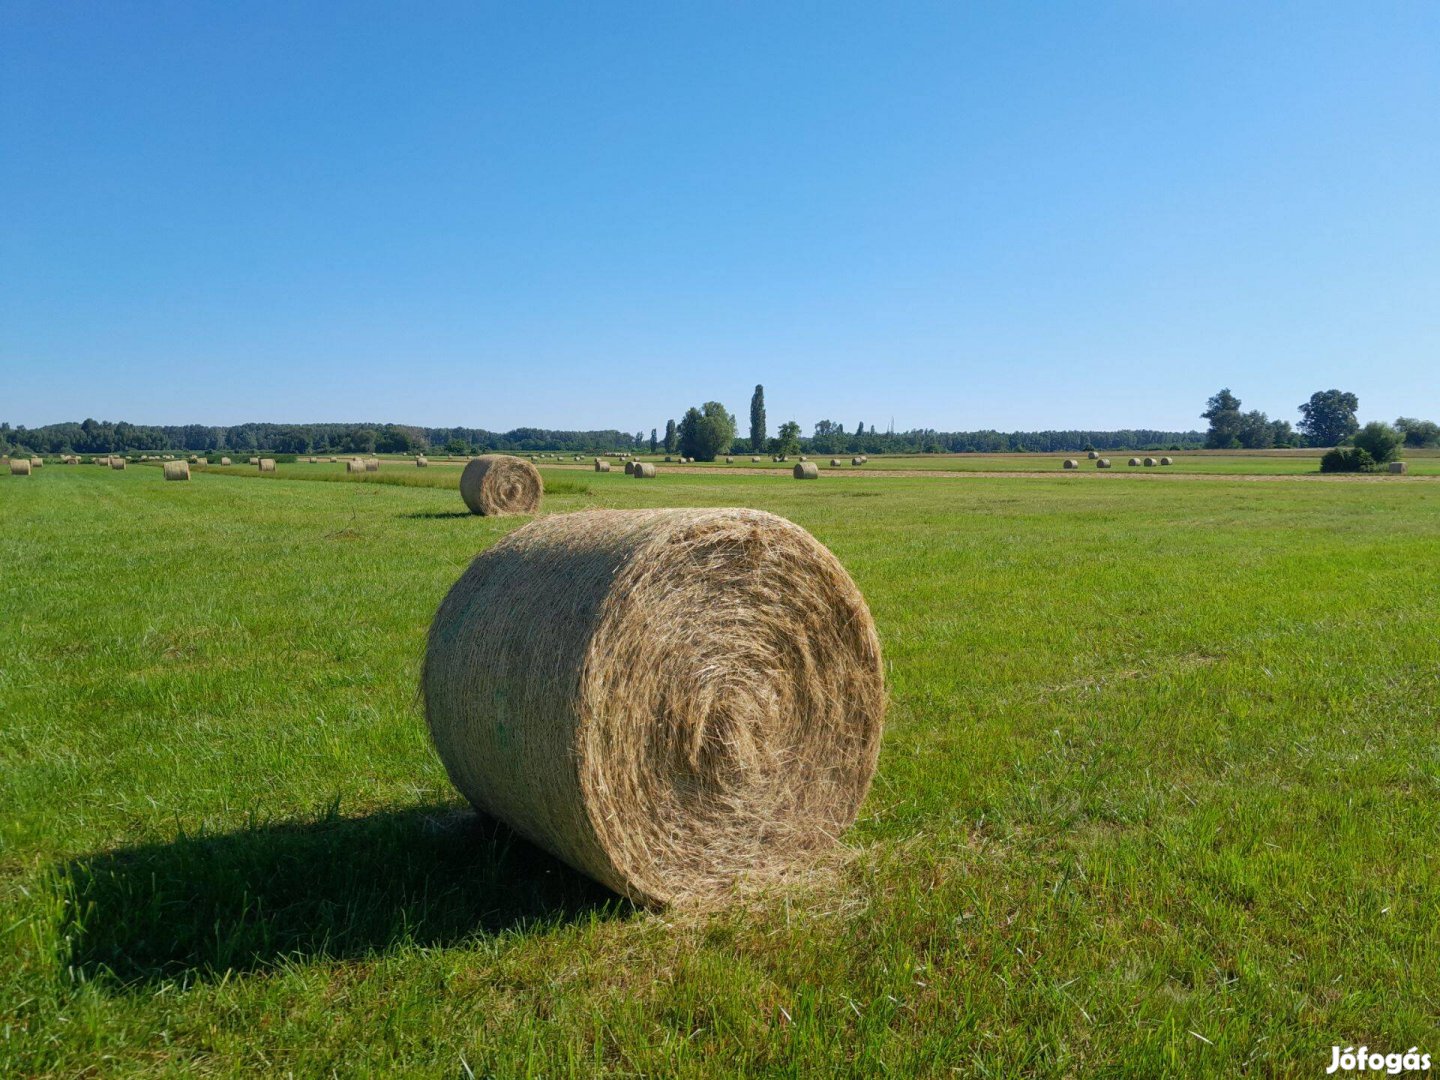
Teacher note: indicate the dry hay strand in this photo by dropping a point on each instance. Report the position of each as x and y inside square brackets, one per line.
[117, 463]
[267, 464]
[20, 467]
[1166, 461]
[224, 461]
[1093, 456]
[1102, 463]
[644, 470]
[602, 466]
[1150, 463]
[496, 484]
[1071, 463]
[177, 470]
[1399, 468]
[1134, 461]
[629, 468]
[354, 465]
[733, 757]
[805, 470]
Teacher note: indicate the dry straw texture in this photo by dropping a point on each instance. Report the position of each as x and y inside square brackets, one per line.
[254, 461]
[20, 467]
[500, 484]
[806, 470]
[355, 465]
[644, 470]
[177, 470]
[602, 466]
[733, 755]
[117, 463]
[267, 464]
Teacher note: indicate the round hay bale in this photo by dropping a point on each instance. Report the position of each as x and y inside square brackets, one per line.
[1102, 463]
[735, 755]
[267, 464]
[333, 460]
[1150, 463]
[192, 460]
[1093, 455]
[805, 470]
[856, 461]
[20, 467]
[644, 470]
[729, 460]
[1134, 461]
[667, 457]
[1166, 461]
[1399, 468]
[804, 458]
[834, 461]
[354, 465]
[37, 463]
[1071, 463]
[755, 460]
[177, 470]
[500, 484]
[224, 461]
[372, 464]
[421, 463]
[602, 466]
[253, 461]
[629, 468]
[117, 463]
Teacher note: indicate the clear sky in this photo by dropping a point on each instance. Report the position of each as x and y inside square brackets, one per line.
[959, 215]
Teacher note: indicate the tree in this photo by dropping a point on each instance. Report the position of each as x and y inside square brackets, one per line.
[670, 438]
[1418, 433]
[456, 446]
[1328, 418]
[706, 432]
[1223, 412]
[757, 420]
[1379, 440]
[787, 439]
[654, 440]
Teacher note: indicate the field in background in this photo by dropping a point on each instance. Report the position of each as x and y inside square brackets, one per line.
[1160, 790]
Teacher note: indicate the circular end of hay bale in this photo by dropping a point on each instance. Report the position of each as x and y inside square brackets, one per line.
[671, 775]
[497, 484]
[1150, 463]
[1134, 461]
[1071, 463]
[602, 466]
[1102, 463]
[177, 470]
[629, 468]
[644, 470]
[1167, 461]
[805, 470]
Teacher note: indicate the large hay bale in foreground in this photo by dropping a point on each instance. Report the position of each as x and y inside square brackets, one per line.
[1400, 468]
[500, 484]
[602, 466]
[1071, 463]
[20, 467]
[177, 470]
[267, 464]
[644, 470]
[117, 463]
[354, 465]
[805, 470]
[1102, 463]
[735, 754]
[629, 468]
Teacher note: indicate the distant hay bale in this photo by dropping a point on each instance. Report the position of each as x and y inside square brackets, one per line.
[496, 484]
[834, 461]
[1150, 463]
[754, 460]
[421, 463]
[117, 463]
[676, 775]
[1093, 455]
[177, 470]
[667, 457]
[1400, 468]
[37, 463]
[372, 464]
[854, 461]
[804, 458]
[602, 466]
[19, 466]
[267, 464]
[1134, 461]
[354, 465]
[629, 468]
[805, 470]
[1166, 461]
[1102, 463]
[254, 461]
[644, 470]
[729, 460]
[193, 460]
[224, 461]
[1071, 463]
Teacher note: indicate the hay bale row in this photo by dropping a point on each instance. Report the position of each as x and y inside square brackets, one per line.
[177, 470]
[1150, 463]
[671, 775]
[1166, 461]
[1134, 462]
[498, 484]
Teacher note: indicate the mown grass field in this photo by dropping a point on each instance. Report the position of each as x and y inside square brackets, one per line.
[1160, 792]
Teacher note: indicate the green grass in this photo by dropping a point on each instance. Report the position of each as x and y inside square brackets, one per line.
[1159, 793]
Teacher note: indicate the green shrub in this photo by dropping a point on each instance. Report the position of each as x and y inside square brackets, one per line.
[1347, 459]
[1379, 440]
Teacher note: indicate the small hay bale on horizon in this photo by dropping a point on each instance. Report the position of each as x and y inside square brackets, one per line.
[498, 484]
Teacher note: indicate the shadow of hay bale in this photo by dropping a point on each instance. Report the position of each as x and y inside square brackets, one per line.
[201, 906]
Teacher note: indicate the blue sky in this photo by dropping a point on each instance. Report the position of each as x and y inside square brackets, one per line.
[582, 216]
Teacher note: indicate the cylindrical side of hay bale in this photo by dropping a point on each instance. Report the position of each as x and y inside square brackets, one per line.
[629, 468]
[20, 467]
[644, 470]
[1071, 463]
[1149, 462]
[177, 470]
[1134, 461]
[805, 470]
[117, 463]
[602, 466]
[1102, 463]
[36, 463]
[737, 753]
[1093, 456]
[267, 464]
[1166, 461]
[372, 464]
[1399, 467]
[355, 465]
[500, 484]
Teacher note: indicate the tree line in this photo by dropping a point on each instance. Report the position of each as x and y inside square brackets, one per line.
[1327, 419]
